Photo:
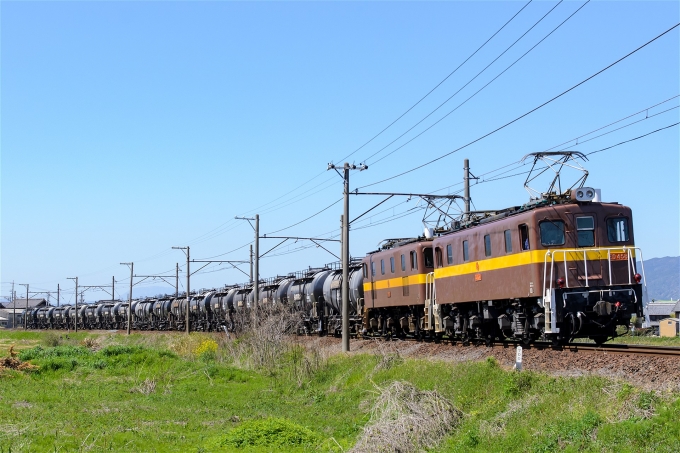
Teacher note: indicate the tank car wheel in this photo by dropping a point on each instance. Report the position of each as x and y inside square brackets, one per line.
[488, 341]
[526, 340]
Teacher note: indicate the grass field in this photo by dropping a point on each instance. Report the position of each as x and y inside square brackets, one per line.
[167, 392]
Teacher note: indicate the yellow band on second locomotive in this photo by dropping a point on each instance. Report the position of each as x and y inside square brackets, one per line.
[501, 262]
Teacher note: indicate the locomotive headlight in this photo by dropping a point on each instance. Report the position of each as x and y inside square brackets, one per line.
[638, 278]
[584, 194]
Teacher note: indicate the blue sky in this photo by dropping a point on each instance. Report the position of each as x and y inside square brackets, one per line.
[131, 127]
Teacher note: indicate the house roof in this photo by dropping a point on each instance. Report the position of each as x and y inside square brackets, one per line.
[677, 307]
[671, 319]
[660, 309]
[21, 304]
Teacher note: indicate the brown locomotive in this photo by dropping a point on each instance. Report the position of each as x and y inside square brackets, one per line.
[556, 269]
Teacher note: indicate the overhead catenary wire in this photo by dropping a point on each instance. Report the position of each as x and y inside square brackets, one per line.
[525, 114]
[464, 86]
[439, 84]
[483, 87]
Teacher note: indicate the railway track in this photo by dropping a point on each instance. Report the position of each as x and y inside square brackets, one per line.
[624, 349]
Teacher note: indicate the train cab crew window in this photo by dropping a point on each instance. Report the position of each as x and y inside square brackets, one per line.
[365, 270]
[403, 262]
[449, 254]
[414, 260]
[487, 245]
[617, 229]
[466, 255]
[372, 269]
[429, 259]
[508, 241]
[524, 237]
[585, 231]
[392, 264]
[552, 232]
[438, 257]
[382, 267]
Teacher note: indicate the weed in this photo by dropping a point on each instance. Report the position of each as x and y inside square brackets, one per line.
[206, 351]
[51, 340]
[270, 432]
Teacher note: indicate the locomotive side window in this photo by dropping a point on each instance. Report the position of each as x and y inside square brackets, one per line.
[365, 270]
[429, 260]
[508, 241]
[382, 267]
[449, 254]
[372, 269]
[466, 255]
[392, 264]
[552, 232]
[585, 231]
[414, 260]
[524, 237]
[403, 262]
[617, 229]
[487, 245]
[438, 257]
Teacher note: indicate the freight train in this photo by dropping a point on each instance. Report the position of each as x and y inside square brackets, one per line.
[560, 267]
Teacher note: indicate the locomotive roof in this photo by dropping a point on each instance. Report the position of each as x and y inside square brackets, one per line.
[483, 217]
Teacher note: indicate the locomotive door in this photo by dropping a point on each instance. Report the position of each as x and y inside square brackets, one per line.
[588, 271]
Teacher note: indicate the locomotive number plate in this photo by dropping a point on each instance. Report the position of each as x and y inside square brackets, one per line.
[619, 256]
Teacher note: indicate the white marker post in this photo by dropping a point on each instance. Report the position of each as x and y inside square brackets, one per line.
[518, 359]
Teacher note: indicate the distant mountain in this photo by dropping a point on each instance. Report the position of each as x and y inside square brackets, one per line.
[663, 278]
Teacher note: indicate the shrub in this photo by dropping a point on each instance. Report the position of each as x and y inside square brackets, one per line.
[270, 432]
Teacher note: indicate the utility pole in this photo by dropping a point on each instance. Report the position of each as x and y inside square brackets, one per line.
[345, 250]
[251, 263]
[256, 283]
[76, 307]
[176, 280]
[129, 310]
[255, 270]
[26, 311]
[58, 291]
[186, 252]
[113, 287]
[13, 298]
[466, 179]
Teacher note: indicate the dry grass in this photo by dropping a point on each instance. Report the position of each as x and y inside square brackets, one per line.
[405, 419]
[11, 362]
[145, 388]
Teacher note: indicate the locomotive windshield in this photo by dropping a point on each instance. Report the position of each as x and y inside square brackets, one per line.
[617, 229]
[552, 232]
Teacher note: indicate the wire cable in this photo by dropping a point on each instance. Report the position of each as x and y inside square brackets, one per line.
[527, 113]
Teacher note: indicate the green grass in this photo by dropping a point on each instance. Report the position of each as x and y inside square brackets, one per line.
[152, 393]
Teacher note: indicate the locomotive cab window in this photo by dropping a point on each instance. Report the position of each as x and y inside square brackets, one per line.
[524, 237]
[585, 231]
[438, 257]
[392, 264]
[552, 232]
[403, 262]
[429, 259]
[382, 267]
[617, 229]
[414, 260]
[365, 270]
[487, 245]
[466, 255]
[508, 241]
[449, 254]
[372, 269]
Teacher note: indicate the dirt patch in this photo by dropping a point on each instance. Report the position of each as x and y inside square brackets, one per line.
[647, 372]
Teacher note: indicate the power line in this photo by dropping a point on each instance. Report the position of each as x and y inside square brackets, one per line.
[466, 84]
[483, 87]
[440, 83]
[525, 114]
